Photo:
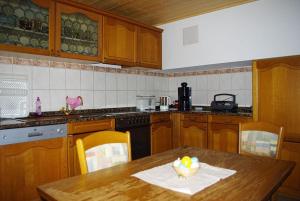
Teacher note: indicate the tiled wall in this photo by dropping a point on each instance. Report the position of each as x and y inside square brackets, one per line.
[107, 88]
[204, 87]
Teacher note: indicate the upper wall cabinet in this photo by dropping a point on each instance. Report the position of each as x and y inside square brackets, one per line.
[78, 33]
[149, 44]
[27, 26]
[120, 42]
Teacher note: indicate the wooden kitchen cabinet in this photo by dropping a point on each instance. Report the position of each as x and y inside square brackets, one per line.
[161, 132]
[82, 129]
[25, 166]
[223, 137]
[78, 33]
[276, 98]
[291, 151]
[150, 48]
[193, 130]
[223, 132]
[28, 26]
[161, 137]
[120, 42]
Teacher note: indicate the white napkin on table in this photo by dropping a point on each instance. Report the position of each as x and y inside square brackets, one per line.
[166, 177]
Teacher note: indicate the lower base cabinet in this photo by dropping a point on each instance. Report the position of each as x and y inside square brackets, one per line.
[161, 137]
[78, 130]
[25, 166]
[291, 187]
[193, 134]
[223, 137]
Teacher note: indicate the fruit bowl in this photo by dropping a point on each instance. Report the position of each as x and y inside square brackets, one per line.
[186, 172]
[186, 166]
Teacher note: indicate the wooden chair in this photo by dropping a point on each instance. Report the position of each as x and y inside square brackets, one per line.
[103, 149]
[260, 138]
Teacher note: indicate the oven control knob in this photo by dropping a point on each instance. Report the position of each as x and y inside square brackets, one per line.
[4, 137]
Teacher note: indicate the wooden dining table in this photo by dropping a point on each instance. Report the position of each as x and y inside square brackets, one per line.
[257, 178]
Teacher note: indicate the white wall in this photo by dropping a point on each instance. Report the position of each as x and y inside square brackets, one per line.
[261, 29]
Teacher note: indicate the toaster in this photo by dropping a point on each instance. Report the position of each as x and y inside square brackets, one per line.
[224, 105]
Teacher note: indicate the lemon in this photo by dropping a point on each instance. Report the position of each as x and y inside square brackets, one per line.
[186, 161]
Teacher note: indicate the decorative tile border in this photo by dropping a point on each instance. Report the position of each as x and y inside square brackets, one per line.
[68, 65]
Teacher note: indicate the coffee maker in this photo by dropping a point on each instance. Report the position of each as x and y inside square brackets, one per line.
[184, 97]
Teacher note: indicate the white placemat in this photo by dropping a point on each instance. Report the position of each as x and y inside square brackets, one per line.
[166, 177]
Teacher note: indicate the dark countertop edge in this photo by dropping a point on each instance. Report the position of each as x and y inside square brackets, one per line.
[51, 120]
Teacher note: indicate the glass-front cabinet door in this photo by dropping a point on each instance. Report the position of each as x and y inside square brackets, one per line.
[78, 33]
[27, 26]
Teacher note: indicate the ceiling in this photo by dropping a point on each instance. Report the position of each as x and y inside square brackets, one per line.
[155, 12]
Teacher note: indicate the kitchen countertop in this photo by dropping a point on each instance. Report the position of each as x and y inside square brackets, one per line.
[49, 118]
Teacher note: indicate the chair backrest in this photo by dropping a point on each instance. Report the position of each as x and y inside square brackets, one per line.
[103, 149]
[260, 138]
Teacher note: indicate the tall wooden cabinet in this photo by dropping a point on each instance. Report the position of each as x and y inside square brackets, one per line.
[149, 48]
[25, 166]
[193, 130]
[161, 133]
[120, 44]
[276, 98]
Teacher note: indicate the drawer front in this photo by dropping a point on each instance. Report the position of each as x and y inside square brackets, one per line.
[91, 126]
[194, 117]
[161, 117]
[227, 119]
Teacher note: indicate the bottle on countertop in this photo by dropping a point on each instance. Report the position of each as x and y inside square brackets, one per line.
[38, 106]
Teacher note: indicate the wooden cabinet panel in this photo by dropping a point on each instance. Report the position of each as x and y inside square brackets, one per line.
[161, 137]
[78, 33]
[149, 45]
[91, 126]
[120, 42]
[175, 117]
[80, 130]
[193, 134]
[24, 166]
[223, 137]
[194, 117]
[277, 93]
[228, 119]
[291, 151]
[33, 34]
[160, 117]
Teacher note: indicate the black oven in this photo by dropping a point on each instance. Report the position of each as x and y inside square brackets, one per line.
[140, 135]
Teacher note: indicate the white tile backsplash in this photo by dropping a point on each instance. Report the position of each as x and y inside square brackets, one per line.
[88, 99]
[213, 82]
[131, 82]
[86, 80]
[99, 80]
[111, 81]
[131, 98]
[111, 99]
[57, 78]
[57, 99]
[141, 83]
[40, 78]
[107, 90]
[122, 98]
[6, 68]
[72, 79]
[121, 82]
[99, 99]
